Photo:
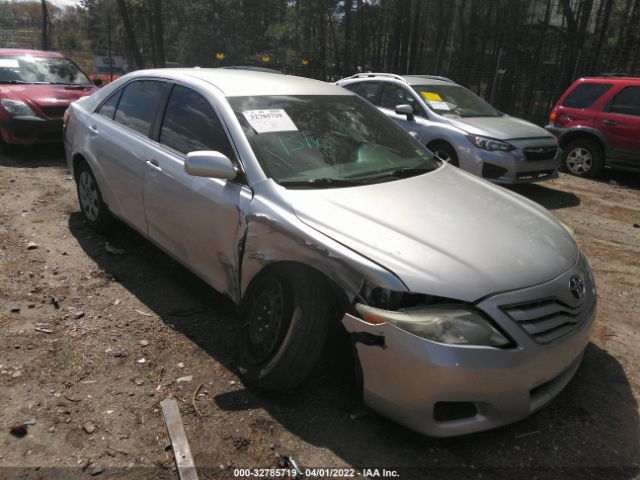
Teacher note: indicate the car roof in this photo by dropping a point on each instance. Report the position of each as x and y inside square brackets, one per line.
[19, 52]
[612, 79]
[426, 80]
[240, 83]
[406, 79]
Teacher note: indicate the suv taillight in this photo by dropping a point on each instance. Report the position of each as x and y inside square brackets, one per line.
[553, 116]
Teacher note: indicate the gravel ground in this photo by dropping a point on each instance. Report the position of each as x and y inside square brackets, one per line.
[91, 342]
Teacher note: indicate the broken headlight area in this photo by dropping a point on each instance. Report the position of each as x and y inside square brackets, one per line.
[446, 323]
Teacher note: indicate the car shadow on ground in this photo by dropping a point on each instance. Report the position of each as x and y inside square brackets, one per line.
[35, 156]
[549, 198]
[590, 431]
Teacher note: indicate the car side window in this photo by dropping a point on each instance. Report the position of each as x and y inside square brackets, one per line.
[627, 102]
[190, 124]
[108, 108]
[585, 95]
[393, 95]
[366, 90]
[138, 104]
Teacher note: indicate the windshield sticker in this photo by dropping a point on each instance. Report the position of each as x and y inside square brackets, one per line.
[431, 96]
[265, 121]
[439, 105]
[9, 63]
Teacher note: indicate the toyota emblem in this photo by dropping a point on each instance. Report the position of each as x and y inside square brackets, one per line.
[576, 287]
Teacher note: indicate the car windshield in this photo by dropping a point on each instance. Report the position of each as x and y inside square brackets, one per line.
[454, 100]
[28, 69]
[321, 141]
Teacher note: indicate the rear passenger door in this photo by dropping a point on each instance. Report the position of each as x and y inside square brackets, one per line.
[620, 122]
[119, 131]
[196, 219]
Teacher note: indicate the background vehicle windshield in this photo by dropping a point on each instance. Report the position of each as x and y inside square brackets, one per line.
[327, 139]
[28, 69]
[455, 100]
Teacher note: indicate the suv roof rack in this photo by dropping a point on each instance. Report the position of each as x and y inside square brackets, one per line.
[374, 74]
[435, 77]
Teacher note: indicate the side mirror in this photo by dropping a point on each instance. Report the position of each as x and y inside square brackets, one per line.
[97, 81]
[405, 110]
[210, 164]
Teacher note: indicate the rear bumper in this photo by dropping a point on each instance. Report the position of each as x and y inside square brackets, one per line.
[30, 130]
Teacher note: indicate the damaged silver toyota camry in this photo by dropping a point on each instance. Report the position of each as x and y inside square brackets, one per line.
[468, 306]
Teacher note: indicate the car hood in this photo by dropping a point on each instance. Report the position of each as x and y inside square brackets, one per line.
[502, 128]
[445, 233]
[40, 96]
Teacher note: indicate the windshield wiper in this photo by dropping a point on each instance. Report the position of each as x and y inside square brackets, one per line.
[323, 182]
[410, 172]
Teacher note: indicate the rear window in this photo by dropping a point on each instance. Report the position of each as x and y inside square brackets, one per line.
[627, 102]
[585, 94]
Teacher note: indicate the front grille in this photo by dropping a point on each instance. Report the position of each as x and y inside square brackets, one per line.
[536, 175]
[540, 153]
[550, 319]
[54, 112]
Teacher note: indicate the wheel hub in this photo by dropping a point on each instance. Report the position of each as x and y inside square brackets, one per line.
[579, 160]
[88, 196]
[266, 319]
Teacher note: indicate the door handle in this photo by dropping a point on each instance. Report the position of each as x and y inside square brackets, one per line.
[609, 122]
[154, 164]
[93, 129]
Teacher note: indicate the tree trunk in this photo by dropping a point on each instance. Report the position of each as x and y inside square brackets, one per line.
[346, 68]
[159, 32]
[45, 25]
[130, 38]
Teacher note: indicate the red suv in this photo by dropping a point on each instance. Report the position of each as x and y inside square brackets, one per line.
[597, 122]
[36, 88]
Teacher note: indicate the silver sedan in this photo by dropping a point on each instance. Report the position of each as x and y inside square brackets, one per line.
[468, 306]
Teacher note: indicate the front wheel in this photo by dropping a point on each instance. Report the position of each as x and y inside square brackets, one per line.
[284, 323]
[445, 152]
[94, 210]
[584, 158]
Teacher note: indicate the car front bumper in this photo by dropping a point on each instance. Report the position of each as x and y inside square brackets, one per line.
[442, 390]
[30, 130]
[512, 167]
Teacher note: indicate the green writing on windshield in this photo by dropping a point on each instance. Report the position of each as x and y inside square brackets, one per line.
[293, 142]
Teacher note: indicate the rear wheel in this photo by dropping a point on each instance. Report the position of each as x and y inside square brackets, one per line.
[444, 152]
[584, 158]
[94, 210]
[284, 324]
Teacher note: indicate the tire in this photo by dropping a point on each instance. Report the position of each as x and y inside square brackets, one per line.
[583, 158]
[445, 152]
[94, 210]
[278, 352]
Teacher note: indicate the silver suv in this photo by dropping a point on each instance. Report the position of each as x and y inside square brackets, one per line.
[460, 127]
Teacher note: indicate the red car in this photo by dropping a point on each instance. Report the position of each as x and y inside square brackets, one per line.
[597, 122]
[36, 88]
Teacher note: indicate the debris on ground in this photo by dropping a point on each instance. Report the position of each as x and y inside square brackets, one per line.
[143, 343]
[113, 250]
[187, 378]
[89, 427]
[143, 313]
[18, 429]
[32, 245]
[285, 461]
[178, 437]
[15, 310]
[139, 382]
[42, 327]
[54, 302]
[78, 315]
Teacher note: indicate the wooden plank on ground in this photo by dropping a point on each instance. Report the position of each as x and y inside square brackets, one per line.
[178, 437]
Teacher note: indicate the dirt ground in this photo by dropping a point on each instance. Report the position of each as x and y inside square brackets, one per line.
[135, 327]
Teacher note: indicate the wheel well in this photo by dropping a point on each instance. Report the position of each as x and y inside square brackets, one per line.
[338, 297]
[573, 136]
[77, 159]
[439, 141]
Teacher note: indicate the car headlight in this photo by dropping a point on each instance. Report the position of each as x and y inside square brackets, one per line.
[490, 144]
[450, 324]
[17, 108]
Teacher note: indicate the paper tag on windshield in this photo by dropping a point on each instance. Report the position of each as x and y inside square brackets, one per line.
[9, 63]
[265, 121]
[431, 96]
[439, 105]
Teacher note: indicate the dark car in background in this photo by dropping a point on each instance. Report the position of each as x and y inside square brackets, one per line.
[597, 121]
[36, 87]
